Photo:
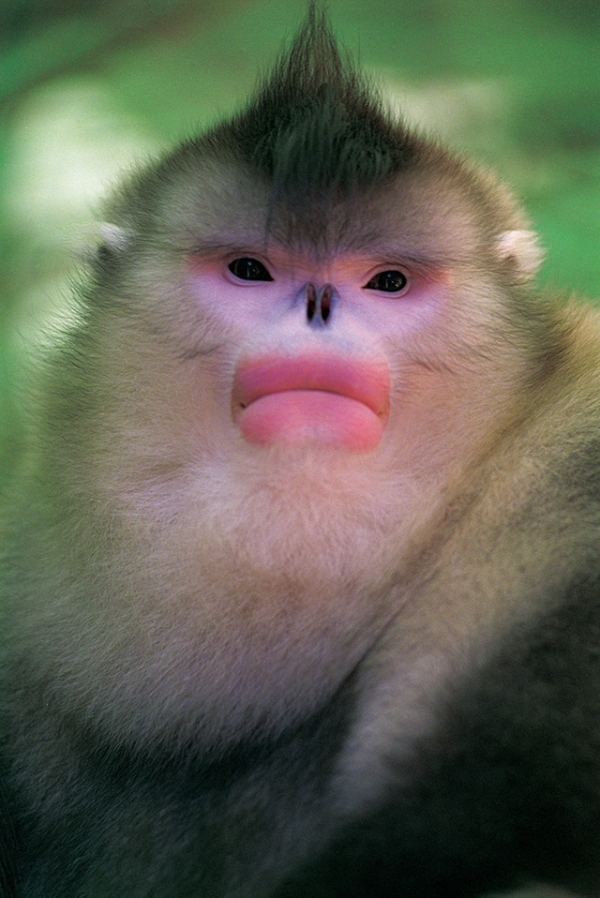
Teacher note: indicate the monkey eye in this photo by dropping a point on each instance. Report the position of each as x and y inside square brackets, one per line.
[392, 281]
[248, 269]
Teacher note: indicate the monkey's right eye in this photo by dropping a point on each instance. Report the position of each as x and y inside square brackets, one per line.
[392, 281]
[248, 269]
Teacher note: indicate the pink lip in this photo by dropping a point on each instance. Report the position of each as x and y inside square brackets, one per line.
[364, 381]
[313, 399]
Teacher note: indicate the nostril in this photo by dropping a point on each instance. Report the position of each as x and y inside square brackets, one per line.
[311, 301]
[325, 301]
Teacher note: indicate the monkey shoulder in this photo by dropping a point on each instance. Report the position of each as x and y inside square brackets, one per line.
[503, 790]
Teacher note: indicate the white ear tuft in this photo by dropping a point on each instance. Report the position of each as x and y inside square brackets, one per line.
[96, 237]
[112, 236]
[522, 251]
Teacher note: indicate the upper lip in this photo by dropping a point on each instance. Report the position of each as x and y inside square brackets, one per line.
[361, 379]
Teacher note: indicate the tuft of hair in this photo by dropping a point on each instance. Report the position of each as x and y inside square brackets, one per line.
[316, 124]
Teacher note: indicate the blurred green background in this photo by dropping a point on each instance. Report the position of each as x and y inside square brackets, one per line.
[87, 86]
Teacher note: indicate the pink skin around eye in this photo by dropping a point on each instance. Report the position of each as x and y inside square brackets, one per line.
[312, 399]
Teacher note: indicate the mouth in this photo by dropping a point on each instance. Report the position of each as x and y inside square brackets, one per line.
[312, 399]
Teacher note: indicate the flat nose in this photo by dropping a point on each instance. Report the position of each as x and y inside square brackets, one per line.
[318, 303]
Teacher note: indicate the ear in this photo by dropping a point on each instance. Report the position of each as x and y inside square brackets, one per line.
[111, 241]
[99, 240]
[113, 238]
[520, 251]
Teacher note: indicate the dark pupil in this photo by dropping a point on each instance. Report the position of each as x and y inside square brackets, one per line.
[388, 281]
[247, 269]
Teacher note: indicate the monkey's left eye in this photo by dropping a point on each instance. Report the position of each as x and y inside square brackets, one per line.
[248, 269]
[392, 281]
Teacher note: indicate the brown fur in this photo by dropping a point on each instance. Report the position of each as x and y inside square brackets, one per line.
[224, 667]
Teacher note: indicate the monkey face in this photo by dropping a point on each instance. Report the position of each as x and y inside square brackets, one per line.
[313, 360]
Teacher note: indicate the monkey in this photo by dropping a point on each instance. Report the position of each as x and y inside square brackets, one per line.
[300, 578]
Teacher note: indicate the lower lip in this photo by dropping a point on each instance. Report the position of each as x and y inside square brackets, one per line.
[311, 416]
[312, 401]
